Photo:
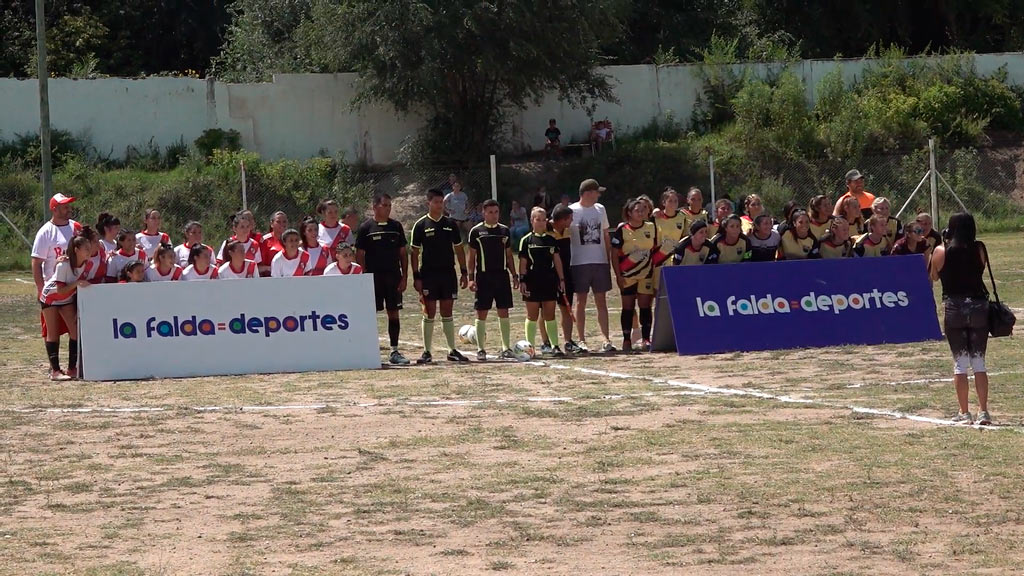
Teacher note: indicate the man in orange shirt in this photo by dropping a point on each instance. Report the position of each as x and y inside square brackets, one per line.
[855, 188]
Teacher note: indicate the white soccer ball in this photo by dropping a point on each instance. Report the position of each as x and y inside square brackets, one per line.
[467, 335]
[524, 350]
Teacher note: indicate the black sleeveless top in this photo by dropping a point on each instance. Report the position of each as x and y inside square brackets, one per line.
[961, 274]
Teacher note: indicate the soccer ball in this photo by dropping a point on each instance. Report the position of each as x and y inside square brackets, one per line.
[524, 350]
[467, 335]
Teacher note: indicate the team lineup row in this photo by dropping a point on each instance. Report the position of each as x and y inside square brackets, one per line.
[563, 258]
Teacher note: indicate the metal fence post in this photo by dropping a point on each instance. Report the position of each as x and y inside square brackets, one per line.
[494, 178]
[711, 167]
[245, 200]
[934, 181]
[44, 109]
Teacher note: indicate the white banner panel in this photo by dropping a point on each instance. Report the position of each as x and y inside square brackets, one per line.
[217, 327]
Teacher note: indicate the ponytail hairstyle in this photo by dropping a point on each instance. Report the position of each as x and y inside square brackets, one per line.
[230, 247]
[106, 220]
[161, 250]
[125, 274]
[88, 233]
[814, 207]
[77, 242]
[196, 251]
[308, 221]
[123, 235]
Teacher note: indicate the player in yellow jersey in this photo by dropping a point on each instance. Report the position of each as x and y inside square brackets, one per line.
[835, 242]
[820, 211]
[893, 227]
[694, 249]
[694, 209]
[731, 245]
[875, 242]
[634, 244]
[671, 224]
[797, 241]
[753, 207]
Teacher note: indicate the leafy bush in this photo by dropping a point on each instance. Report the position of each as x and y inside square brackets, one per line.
[216, 139]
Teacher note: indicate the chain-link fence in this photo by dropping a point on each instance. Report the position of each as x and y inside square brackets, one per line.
[988, 182]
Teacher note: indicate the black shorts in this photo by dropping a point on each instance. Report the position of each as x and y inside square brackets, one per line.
[439, 284]
[541, 289]
[44, 305]
[385, 290]
[493, 288]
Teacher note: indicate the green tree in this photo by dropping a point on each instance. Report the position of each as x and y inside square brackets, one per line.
[465, 63]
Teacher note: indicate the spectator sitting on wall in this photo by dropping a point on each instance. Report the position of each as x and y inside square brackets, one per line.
[601, 132]
[553, 139]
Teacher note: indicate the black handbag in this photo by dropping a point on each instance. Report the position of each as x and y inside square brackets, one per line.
[1000, 318]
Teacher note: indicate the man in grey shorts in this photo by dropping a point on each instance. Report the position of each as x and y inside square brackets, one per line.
[591, 247]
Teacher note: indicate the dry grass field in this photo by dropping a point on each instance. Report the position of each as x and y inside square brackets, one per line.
[826, 461]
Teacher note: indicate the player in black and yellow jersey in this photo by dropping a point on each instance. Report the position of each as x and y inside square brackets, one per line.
[819, 209]
[797, 241]
[875, 242]
[933, 238]
[835, 242]
[753, 207]
[723, 208]
[671, 224]
[731, 245]
[436, 242]
[694, 209]
[542, 277]
[558, 227]
[634, 245]
[490, 261]
[893, 227]
[694, 249]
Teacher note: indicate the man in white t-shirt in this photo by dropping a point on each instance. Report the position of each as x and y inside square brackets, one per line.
[52, 239]
[591, 254]
[51, 243]
[456, 206]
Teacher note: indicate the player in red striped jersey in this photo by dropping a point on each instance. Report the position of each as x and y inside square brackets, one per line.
[236, 265]
[57, 299]
[332, 230]
[292, 260]
[165, 265]
[241, 225]
[319, 255]
[200, 264]
[151, 236]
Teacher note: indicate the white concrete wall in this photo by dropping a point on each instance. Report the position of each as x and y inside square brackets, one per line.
[298, 115]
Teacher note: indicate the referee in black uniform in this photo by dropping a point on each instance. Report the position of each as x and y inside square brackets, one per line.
[490, 259]
[436, 241]
[381, 251]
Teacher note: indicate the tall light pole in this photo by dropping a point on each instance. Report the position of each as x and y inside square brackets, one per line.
[44, 108]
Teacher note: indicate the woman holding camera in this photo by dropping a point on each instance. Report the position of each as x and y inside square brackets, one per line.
[959, 266]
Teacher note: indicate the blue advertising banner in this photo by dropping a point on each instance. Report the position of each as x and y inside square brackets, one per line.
[799, 304]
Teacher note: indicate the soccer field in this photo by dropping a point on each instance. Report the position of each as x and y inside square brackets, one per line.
[824, 461]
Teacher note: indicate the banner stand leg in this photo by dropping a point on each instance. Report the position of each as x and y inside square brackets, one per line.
[663, 338]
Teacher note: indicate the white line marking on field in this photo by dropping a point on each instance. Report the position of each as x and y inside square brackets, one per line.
[689, 389]
[927, 380]
[23, 281]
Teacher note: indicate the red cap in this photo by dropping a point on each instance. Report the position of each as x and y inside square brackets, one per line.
[59, 198]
